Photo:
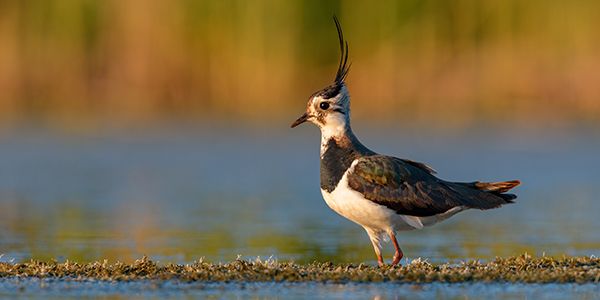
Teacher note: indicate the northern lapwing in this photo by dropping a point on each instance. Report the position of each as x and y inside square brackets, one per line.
[384, 194]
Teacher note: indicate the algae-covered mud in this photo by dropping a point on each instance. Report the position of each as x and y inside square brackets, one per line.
[519, 269]
[522, 277]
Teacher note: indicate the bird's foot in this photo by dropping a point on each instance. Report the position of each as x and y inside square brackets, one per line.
[397, 258]
[398, 255]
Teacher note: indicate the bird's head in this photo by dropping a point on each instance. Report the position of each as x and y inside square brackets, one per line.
[329, 108]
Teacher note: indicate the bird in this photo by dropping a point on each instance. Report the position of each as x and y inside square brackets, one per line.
[384, 194]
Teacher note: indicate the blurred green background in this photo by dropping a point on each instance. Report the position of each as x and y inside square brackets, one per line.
[90, 63]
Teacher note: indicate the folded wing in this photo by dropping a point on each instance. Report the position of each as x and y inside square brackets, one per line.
[410, 188]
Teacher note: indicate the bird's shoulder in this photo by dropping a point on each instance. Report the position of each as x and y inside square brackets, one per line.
[381, 169]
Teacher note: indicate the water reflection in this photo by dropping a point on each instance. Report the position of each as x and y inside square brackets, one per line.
[177, 196]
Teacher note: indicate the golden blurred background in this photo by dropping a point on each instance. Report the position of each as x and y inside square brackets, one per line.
[90, 63]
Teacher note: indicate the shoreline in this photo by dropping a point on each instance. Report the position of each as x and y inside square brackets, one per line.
[516, 269]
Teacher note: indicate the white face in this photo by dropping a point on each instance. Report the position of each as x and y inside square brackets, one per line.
[331, 115]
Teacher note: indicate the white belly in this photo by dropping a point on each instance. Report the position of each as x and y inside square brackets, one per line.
[355, 207]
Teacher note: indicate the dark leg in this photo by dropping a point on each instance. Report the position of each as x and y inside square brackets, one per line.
[398, 255]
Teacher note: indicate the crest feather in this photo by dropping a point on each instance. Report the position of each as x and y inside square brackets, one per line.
[343, 67]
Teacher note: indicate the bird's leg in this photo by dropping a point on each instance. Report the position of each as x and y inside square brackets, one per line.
[380, 259]
[398, 255]
[377, 247]
[374, 237]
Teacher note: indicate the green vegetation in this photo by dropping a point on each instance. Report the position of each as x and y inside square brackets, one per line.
[523, 268]
[449, 62]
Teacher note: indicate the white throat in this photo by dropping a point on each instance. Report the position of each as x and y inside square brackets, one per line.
[336, 126]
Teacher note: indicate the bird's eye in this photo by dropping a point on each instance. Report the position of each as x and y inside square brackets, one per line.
[324, 105]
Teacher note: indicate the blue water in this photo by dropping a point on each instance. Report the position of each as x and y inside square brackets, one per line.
[61, 289]
[178, 194]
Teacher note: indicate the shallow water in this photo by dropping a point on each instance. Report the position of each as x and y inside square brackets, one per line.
[179, 194]
[61, 289]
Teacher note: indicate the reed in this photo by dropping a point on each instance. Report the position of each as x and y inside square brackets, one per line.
[452, 62]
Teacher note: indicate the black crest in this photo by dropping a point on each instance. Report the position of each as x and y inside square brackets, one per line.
[343, 67]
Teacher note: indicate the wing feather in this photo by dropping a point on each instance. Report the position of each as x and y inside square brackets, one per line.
[410, 188]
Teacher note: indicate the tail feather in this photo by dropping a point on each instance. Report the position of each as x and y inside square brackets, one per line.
[497, 187]
[485, 195]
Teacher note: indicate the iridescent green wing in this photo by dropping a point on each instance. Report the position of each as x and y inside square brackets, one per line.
[407, 187]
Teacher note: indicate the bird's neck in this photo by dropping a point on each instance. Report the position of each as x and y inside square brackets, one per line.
[336, 133]
[337, 127]
[343, 137]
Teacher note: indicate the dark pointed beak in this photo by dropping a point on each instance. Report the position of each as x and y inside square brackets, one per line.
[303, 118]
